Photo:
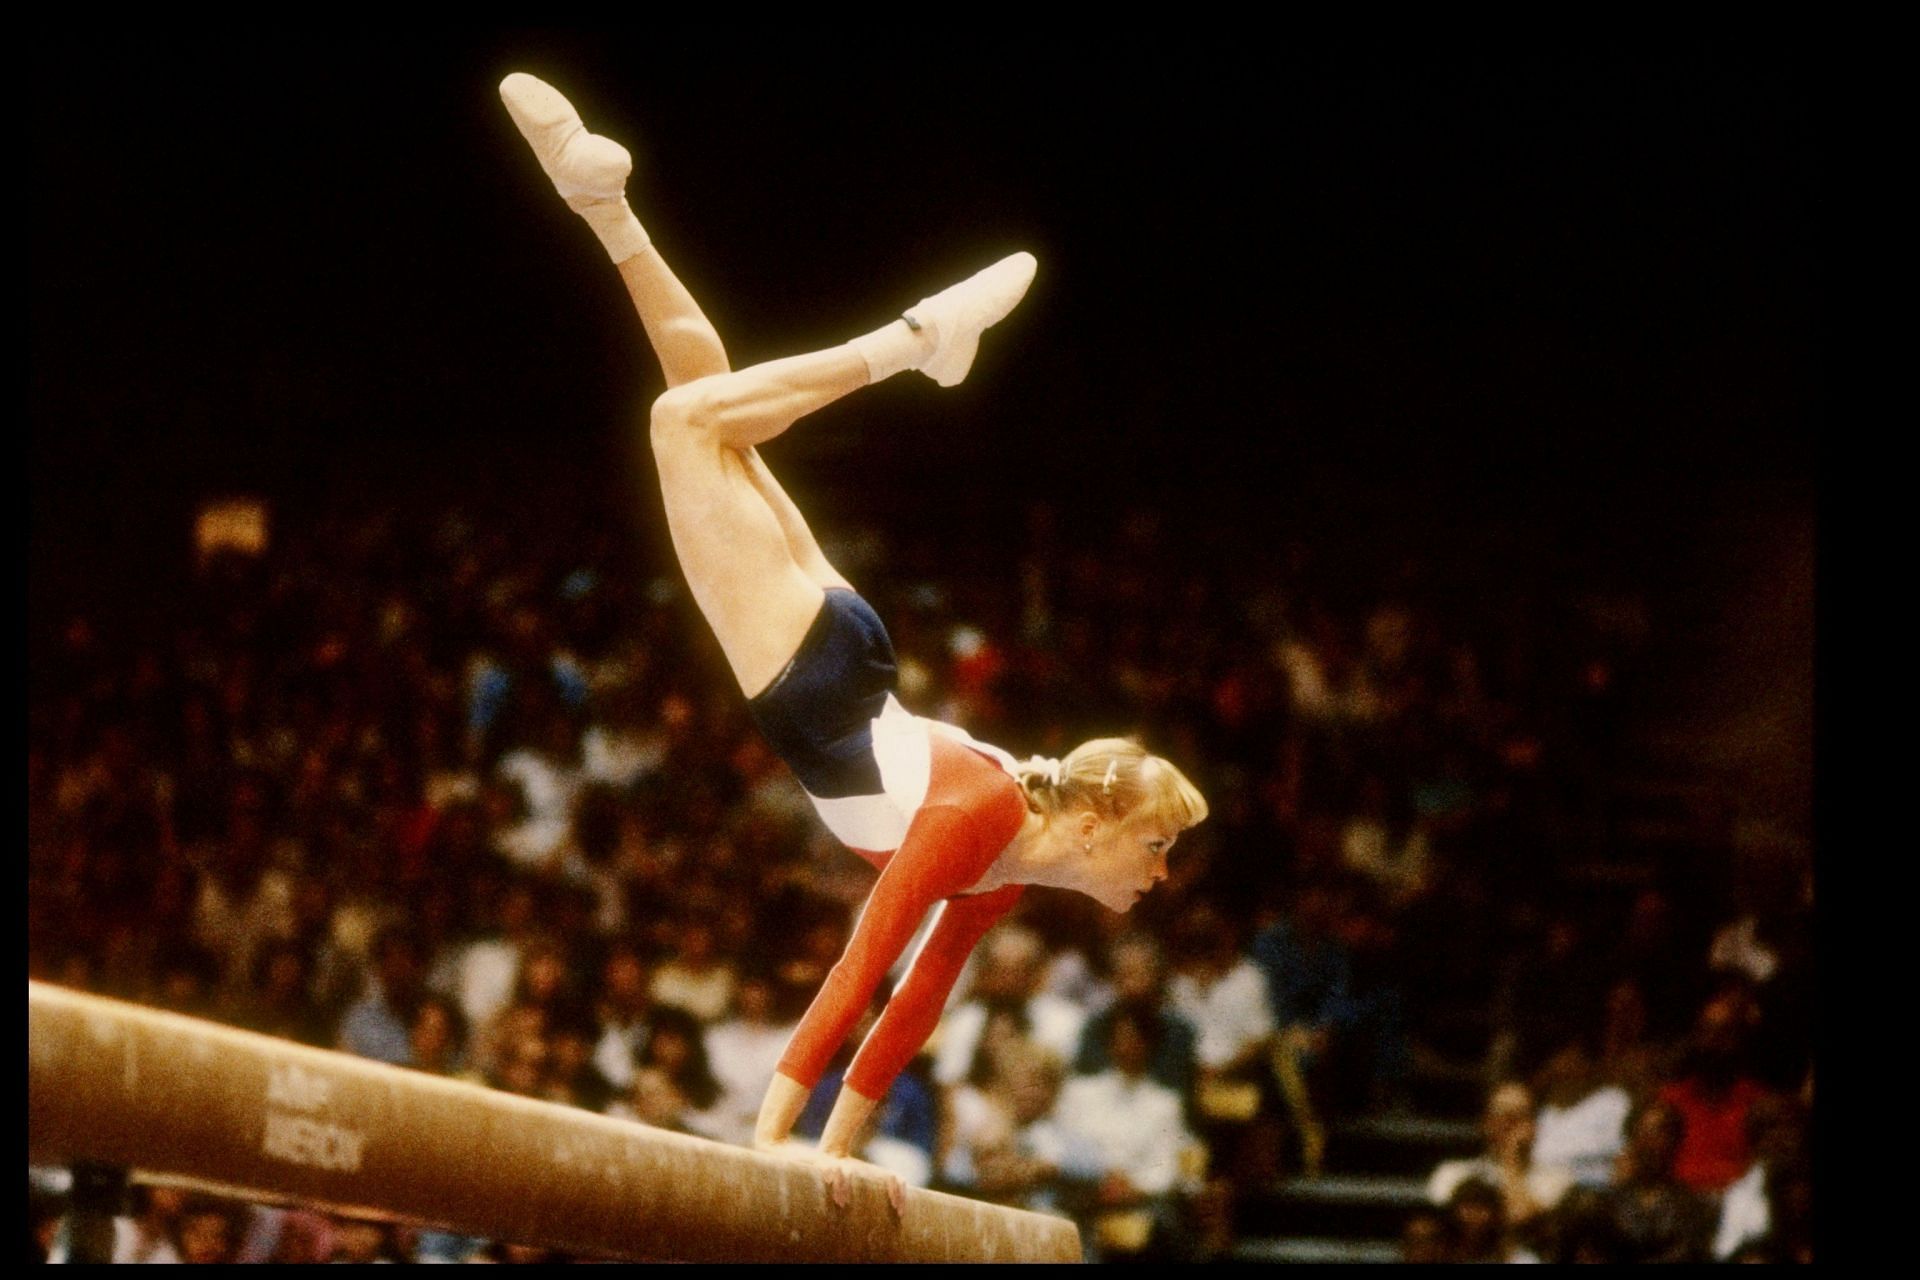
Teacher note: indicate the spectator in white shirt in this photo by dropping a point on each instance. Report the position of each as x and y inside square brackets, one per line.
[1123, 1137]
[1220, 992]
[744, 1052]
[1581, 1124]
[696, 977]
[549, 776]
[624, 1011]
[1778, 1139]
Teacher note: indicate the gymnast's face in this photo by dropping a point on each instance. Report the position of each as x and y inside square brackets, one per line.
[1127, 857]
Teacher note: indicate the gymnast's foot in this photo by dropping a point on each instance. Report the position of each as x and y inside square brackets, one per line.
[955, 317]
[589, 171]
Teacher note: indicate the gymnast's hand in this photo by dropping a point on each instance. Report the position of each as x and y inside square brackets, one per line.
[838, 1171]
[842, 1171]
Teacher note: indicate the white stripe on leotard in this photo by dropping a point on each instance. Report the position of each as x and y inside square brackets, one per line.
[903, 748]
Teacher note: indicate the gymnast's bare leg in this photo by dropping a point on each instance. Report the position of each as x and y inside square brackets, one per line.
[755, 569]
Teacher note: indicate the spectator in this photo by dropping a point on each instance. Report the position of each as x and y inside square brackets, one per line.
[1387, 843]
[1477, 1221]
[377, 1026]
[1138, 974]
[1527, 1188]
[548, 775]
[572, 1077]
[208, 1231]
[979, 1109]
[745, 1051]
[1426, 1237]
[673, 1085]
[1221, 993]
[1716, 1095]
[437, 1037]
[1582, 1122]
[1130, 1146]
[482, 973]
[624, 1012]
[696, 978]
[1010, 966]
[1659, 1218]
[1309, 988]
[150, 1232]
[519, 1061]
[362, 1240]
[1022, 1166]
[278, 1000]
[1778, 1141]
[1583, 1230]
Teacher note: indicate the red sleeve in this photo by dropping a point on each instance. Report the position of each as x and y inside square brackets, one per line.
[939, 857]
[910, 1016]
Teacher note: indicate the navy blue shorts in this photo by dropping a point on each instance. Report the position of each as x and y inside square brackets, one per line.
[818, 713]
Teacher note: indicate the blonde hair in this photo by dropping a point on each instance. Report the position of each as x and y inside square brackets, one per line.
[1113, 777]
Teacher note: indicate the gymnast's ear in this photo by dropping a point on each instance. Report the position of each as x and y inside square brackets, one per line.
[1086, 823]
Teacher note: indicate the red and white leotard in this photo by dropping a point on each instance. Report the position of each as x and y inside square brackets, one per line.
[948, 807]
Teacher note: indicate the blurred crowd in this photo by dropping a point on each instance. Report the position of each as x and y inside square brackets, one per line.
[476, 796]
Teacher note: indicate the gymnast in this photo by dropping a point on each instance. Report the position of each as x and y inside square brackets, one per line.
[953, 825]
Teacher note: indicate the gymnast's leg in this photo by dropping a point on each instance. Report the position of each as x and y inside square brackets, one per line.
[754, 568]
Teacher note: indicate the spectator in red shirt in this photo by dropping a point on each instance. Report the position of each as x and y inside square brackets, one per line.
[1715, 1095]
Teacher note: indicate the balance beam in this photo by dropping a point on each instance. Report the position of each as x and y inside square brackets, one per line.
[123, 1085]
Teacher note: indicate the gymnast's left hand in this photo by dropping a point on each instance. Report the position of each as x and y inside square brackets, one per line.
[841, 1172]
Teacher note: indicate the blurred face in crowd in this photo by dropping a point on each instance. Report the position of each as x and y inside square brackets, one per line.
[206, 1236]
[1478, 1219]
[668, 1049]
[432, 1036]
[164, 1204]
[286, 976]
[1723, 1024]
[1010, 969]
[696, 945]
[755, 1001]
[1001, 1039]
[358, 1241]
[1138, 973]
[1568, 1075]
[1655, 1140]
[625, 980]
[571, 1049]
[1424, 1239]
[1509, 1120]
[546, 974]
[1032, 1087]
[523, 1068]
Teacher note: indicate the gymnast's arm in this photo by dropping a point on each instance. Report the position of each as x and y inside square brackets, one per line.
[921, 873]
[912, 1013]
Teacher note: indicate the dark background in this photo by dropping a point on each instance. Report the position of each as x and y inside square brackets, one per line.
[1553, 313]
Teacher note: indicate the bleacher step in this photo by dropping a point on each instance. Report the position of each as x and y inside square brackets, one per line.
[1311, 1251]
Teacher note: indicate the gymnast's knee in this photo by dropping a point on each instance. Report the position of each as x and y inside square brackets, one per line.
[686, 413]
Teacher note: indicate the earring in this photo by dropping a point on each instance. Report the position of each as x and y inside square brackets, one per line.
[1088, 846]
